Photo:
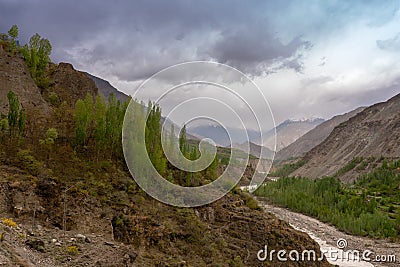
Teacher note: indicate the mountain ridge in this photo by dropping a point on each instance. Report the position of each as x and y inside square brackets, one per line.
[313, 137]
[373, 132]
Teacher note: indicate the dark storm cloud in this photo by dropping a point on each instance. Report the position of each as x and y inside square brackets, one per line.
[253, 50]
[133, 39]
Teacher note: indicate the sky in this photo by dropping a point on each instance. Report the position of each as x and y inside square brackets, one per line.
[309, 58]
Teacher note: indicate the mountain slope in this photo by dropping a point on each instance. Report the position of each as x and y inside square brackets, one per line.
[374, 132]
[313, 137]
[105, 88]
[53, 195]
[69, 84]
[256, 150]
[289, 131]
[14, 75]
[220, 136]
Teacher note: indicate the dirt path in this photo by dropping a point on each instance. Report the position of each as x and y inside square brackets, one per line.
[327, 236]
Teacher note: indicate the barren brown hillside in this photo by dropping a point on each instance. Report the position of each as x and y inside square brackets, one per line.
[374, 132]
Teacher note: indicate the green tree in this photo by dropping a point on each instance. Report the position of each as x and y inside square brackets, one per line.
[3, 128]
[100, 123]
[37, 56]
[13, 35]
[183, 146]
[51, 136]
[153, 138]
[13, 112]
[81, 121]
[48, 141]
[21, 121]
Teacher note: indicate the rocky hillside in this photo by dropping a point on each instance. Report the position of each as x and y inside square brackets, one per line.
[63, 205]
[14, 75]
[131, 229]
[372, 133]
[69, 84]
[105, 88]
[289, 131]
[313, 138]
[255, 150]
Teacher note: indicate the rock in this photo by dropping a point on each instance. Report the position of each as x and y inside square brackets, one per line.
[36, 244]
[110, 244]
[54, 240]
[80, 238]
[88, 240]
[58, 244]
[130, 257]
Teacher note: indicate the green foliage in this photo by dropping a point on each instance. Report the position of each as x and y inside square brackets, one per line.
[21, 121]
[249, 201]
[330, 201]
[183, 145]
[3, 128]
[37, 55]
[98, 127]
[13, 104]
[81, 117]
[51, 136]
[99, 123]
[16, 118]
[153, 139]
[54, 99]
[287, 169]
[348, 167]
[28, 162]
[236, 262]
[13, 35]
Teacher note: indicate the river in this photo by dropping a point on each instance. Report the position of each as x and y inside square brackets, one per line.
[327, 237]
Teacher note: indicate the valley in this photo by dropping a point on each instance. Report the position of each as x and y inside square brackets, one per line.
[95, 171]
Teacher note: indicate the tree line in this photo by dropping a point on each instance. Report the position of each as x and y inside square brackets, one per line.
[348, 208]
[98, 128]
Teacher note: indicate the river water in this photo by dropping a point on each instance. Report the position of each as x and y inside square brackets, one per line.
[328, 237]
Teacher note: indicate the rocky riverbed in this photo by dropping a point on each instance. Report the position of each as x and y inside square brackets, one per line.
[327, 236]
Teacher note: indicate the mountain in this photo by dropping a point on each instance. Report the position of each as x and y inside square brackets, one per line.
[62, 204]
[313, 137]
[256, 150]
[105, 88]
[289, 131]
[372, 133]
[220, 136]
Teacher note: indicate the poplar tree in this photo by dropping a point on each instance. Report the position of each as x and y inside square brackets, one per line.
[13, 112]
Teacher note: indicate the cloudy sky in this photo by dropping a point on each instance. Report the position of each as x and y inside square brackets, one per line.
[310, 58]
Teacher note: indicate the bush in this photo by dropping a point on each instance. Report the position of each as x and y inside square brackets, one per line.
[53, 98]
[28, 162]
[73, 250]
[9, 222]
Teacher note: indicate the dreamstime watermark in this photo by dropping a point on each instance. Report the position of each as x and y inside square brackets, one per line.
[332, 254]
[189, 92]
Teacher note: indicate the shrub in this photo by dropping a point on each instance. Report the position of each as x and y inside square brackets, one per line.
[9, 222]
[28, 162]
[53, 98]
[73, 250]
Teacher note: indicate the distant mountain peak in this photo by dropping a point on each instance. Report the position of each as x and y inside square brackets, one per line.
[304, 119]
